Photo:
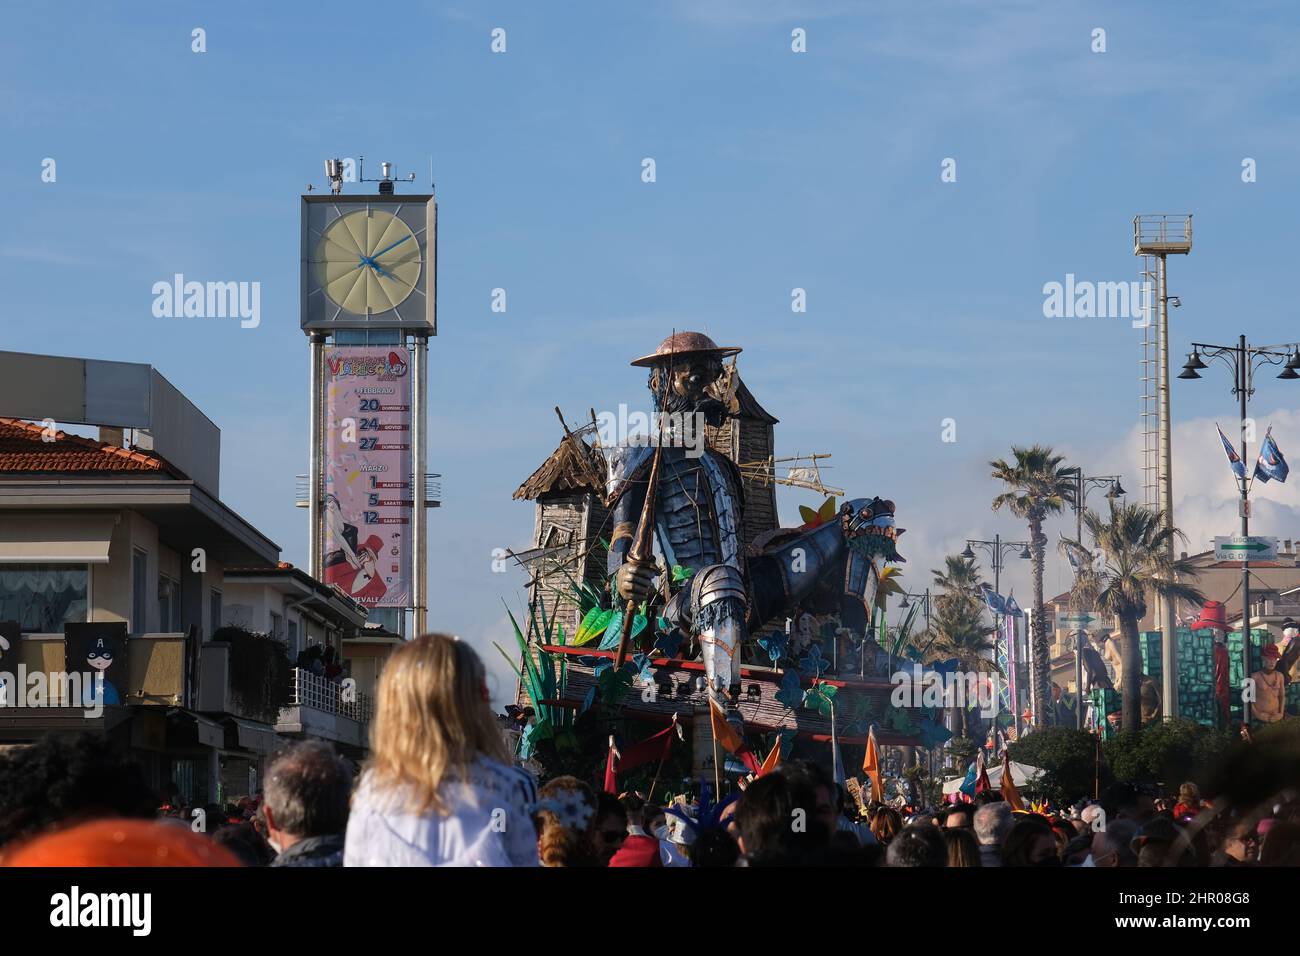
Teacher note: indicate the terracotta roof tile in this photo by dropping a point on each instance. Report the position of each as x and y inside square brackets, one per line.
[23, 450]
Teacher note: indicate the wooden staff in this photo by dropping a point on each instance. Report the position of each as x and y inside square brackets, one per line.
[642, 551]
[643, 548]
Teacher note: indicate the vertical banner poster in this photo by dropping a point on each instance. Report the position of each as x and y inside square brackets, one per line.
[1007, 661]
[91, 649]
[368, 475]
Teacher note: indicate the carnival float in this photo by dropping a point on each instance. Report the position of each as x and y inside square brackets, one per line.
[676, 634]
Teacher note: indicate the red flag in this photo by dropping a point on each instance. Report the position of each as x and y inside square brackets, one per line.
[982, 781]
[726, 735]
[611, 778]
[1009, 792]
[871, 767]
[651, 749]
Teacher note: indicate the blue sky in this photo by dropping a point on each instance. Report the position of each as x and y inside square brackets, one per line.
[775, 170]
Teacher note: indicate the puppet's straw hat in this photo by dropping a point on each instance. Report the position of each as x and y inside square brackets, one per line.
[685, 343]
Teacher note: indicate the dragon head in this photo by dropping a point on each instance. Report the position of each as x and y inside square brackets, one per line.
[870, 529]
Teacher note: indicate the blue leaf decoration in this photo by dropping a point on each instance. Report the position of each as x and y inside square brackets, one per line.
[933, 734]
[669, 641]
[774, 644]
[791, 692]
[640, 668]
[813, 664]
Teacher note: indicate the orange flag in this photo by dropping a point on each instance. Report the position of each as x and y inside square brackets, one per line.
[871, 767]
[1009, 792]
[726, 735]
[773, 759]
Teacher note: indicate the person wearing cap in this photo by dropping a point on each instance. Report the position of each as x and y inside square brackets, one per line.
[119, 842]
[1270, 689]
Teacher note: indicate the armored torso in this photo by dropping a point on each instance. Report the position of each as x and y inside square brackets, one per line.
[698, 510]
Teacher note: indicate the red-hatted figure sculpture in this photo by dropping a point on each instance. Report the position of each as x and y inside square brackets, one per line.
[1214, 617]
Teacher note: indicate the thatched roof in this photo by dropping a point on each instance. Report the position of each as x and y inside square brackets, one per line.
[565, 471]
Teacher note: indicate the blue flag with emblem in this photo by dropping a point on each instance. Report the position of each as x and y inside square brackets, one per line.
[997, 604]
[1271, 465]
[1012, 608]
[1234, 460]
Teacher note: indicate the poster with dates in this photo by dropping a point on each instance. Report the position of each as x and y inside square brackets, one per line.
[368, 492]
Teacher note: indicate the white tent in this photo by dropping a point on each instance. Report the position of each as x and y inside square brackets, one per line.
[1022, 774]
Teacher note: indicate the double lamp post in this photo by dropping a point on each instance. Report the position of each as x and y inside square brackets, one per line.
[1243, 360]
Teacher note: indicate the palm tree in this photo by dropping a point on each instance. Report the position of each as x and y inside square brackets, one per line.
[957, 629]
[958, 582]
[1037, 486]
[1135, 545]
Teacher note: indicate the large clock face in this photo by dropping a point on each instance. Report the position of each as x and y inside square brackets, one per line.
[367, 261]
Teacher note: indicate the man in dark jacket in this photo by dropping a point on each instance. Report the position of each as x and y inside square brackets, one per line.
[993, 822]
[306, 805]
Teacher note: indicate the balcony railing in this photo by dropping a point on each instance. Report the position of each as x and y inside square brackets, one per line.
[1162, 233]
[327, 696]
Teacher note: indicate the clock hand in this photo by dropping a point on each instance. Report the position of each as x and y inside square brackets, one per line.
[390, 248]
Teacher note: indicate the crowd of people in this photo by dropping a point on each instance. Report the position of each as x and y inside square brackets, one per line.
[440, 788]
[321, 662]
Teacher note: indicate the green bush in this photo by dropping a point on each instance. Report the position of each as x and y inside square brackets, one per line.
[261, 674]
[1068, 758]
[1166, 753]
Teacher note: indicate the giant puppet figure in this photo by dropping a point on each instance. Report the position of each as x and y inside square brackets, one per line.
[691, 498]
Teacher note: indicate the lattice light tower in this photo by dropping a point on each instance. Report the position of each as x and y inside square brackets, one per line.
[1155, 238]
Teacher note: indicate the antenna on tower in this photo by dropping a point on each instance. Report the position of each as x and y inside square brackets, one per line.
[386, 180]
[334, 172]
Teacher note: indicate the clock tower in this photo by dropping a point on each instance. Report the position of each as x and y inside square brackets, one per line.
[368, 307]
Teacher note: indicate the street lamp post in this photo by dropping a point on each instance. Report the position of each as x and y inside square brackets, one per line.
[905, 601]
[997, 548]
[923, 597]
[1081, 486]
[1243, 359]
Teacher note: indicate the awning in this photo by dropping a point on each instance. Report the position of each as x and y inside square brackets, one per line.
[1022, 775]
[56, 539]
[210, 733]
[256, 737]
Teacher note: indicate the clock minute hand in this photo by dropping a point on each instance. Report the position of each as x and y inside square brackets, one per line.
[390, 248]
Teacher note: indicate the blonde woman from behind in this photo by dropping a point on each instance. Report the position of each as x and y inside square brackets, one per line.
[439, 788]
